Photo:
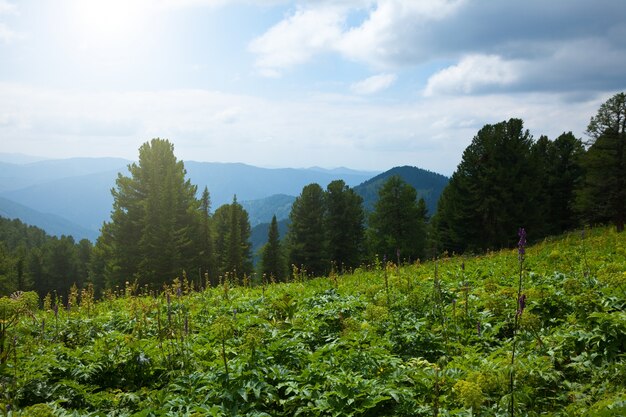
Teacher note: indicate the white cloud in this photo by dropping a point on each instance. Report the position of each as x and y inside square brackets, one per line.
[212, 126]
[388, 34]
[296, 39]
[471, 74]
[7, 35]
[374, 84]
[535, 41]
[321, 27]
[7, 7]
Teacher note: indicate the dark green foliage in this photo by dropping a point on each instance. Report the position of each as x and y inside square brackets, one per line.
[273, 265]
[397, 227]
[32, 260]
[344, 224]
[559, 173]
[428, 185]
[150, 236]
[602, 197]
[206, 252]
[306, 239]
[492, 192]
[232, 240]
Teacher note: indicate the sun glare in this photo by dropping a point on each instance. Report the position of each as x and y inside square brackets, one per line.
[106, 22]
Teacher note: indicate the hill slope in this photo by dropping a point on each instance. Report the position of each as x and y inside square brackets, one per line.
[418, 340]
[52, 224]
[428, 185]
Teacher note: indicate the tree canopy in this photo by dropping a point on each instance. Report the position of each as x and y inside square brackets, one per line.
[151, 232]
[492, 191]
[307, 237]
[397, 226]
[602, 197]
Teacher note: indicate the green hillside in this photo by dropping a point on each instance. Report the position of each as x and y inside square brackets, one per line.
[428, 185]
[434, 339]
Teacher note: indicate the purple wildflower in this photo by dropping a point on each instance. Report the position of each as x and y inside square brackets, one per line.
[521, 245]
[521, 304]
[56, 310]
[179, 292]
[478, 329]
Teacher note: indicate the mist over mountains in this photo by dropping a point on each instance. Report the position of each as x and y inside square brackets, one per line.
[73, 196]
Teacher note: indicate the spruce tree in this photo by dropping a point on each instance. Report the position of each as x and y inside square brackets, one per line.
[396, 227]
[206, 253]
[602, 197]
[151, 234]
[307, 238]
[233, 245]
[492, 192]
[345, 232]
[272, 260]
[559, 174]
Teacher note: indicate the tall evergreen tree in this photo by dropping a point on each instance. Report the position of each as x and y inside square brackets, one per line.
[602, 197]
[206, 251]
[306, 237]
[153, 218]
[559, 172]
[272, 259]
[492, 192]
[396, 227]
[345, 232]
[232, 244]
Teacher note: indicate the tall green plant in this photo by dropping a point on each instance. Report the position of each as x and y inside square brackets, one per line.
[521, 304]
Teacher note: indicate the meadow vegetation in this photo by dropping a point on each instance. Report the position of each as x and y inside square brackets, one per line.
[422, 339]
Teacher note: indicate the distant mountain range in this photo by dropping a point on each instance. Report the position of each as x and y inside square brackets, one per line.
[76, 192]
[73, 196]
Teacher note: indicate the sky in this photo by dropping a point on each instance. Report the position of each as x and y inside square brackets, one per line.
[364, 84]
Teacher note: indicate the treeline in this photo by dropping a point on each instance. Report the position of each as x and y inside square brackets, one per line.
[508, 180]
[30, 259]
[329, 230]
[160, 230]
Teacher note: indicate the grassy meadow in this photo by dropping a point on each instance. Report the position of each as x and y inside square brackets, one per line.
[429, 339]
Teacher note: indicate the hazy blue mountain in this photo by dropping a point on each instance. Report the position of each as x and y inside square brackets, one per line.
[428, 185]
[252, 183]
[262, 210]
[19, 158]
[52, 224]
[85, 200]
[17, 176]
[79, 189]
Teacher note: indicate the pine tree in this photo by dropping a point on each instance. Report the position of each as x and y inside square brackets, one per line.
[344, 218]
[307, 239]
[272, 259]
[151, 233]
[602, 197]
[233, 245]
[492, 192]
[206, 253]
[559, 174]
[396, 227]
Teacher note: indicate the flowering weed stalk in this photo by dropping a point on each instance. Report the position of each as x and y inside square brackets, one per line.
[521, 304]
